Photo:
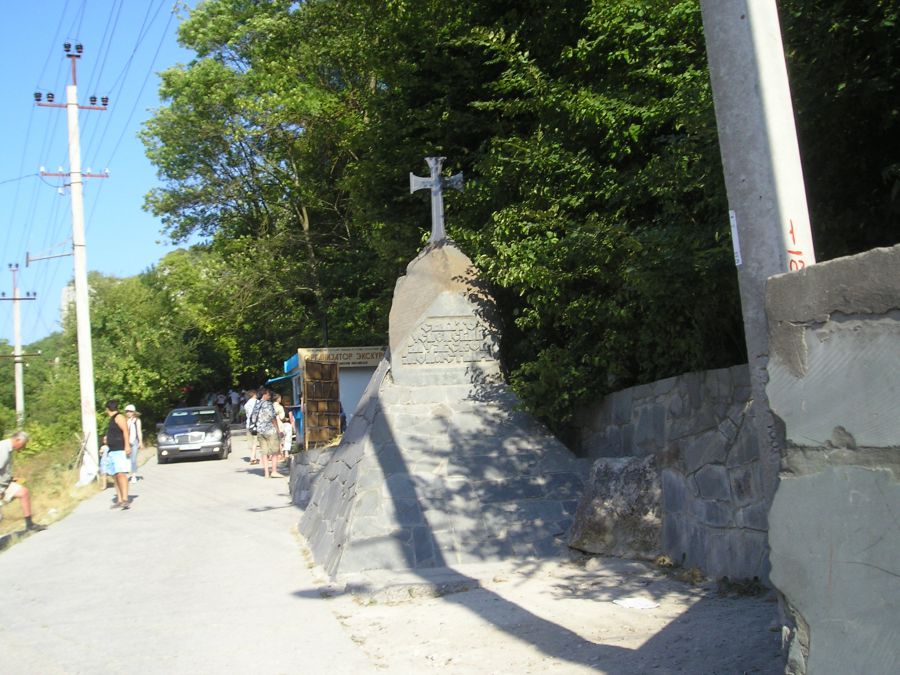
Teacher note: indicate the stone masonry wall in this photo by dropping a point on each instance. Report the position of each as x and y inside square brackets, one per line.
[834, 381]
[698, 428]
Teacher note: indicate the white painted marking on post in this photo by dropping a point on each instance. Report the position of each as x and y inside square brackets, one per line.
[735, 240]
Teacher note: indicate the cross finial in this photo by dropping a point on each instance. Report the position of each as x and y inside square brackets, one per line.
[436, 184]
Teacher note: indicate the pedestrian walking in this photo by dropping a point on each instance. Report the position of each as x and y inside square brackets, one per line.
[281, 416]
[268, 431]
[119, 451]
[135, 439]
[235, 399]
[9, 488]
[104, 464]
[249, 407]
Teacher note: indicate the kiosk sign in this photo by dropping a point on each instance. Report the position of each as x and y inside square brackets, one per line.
[344, 356]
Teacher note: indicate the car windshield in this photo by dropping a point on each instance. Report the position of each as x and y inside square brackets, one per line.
[186, 417]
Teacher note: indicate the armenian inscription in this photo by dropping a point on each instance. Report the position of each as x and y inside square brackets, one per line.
[450, 340]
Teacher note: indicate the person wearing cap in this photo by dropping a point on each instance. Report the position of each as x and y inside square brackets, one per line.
[9, 488]
[135, 438]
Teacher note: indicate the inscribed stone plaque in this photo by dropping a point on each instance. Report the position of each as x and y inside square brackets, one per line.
[448, 341]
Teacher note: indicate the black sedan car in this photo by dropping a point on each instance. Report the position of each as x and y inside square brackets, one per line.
[193, 432]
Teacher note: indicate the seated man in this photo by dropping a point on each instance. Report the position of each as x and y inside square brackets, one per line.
[9, 489]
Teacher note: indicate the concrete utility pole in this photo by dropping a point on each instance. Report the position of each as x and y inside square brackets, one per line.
[763, 176]
[82, 312]
[17, 355]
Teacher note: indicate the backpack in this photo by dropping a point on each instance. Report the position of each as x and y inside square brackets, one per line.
[254, 418]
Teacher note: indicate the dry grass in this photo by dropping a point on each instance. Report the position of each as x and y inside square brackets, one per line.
[50, 477]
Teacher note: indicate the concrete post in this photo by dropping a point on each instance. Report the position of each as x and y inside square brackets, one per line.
[763, 176]
[19, 361]
[82, 313]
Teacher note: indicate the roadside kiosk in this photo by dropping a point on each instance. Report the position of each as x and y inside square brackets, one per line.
[330, 381]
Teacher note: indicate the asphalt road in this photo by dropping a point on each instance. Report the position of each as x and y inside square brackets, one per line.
[202, 575]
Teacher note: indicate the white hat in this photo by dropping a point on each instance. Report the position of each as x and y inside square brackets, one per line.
[130, 408]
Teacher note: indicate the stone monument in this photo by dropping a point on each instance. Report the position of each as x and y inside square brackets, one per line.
[439, 466]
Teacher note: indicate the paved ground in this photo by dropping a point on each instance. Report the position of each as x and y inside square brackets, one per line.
[205, 574]
[201, 575]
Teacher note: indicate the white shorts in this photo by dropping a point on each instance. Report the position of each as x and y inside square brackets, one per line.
[13, 490]
[117, 462]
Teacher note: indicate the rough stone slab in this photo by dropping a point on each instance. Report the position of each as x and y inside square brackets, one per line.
[713, 483]
[619, 513]
[707, 448]
[842, 574]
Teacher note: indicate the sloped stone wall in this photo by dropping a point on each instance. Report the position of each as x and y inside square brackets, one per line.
[697, 426]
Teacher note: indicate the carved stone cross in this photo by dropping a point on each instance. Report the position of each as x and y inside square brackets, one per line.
[437, 184]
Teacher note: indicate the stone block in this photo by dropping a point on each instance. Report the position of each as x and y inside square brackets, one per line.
[674, 492]
[697, 420]
[712, 482]
[696, 539]
[642, 394]
[672, 536]
[619, 513]
[665, 386]
[715, 386]
[628, 447]
[728, 430]
[407, 512]
[446, 546]
[399, 486]
[706, 448]
[753, 517]
[425, 549]
[745, 447]
[369, 501]
[380, 431]
[390, 460]
[367, 527]
[621, 407]
[737, 554]
[693, 383]
[650, 432]
[457, 520]
[746, 486]
[676, 405]
[388, 552]
[711, 513]
[835, 553]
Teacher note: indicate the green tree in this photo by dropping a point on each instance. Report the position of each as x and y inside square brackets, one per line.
[844, 63]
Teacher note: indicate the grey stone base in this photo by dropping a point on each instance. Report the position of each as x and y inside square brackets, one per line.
[434, 476]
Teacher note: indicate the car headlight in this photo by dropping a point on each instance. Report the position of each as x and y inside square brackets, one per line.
[165, 438]
[214, 435]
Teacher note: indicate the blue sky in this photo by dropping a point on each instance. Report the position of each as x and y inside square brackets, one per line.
[126, 43]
